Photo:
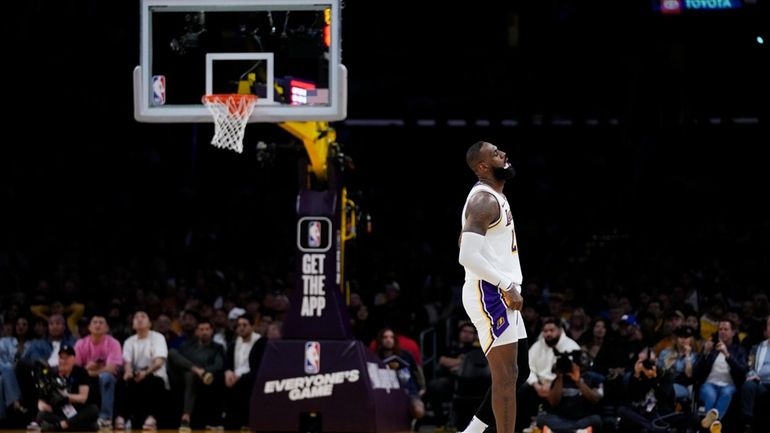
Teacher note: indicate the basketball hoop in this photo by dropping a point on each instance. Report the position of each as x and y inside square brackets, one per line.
[231, 113]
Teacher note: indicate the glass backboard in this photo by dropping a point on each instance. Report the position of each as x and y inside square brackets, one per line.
[287, 52]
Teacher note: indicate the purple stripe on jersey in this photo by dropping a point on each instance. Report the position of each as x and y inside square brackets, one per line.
[494, 306]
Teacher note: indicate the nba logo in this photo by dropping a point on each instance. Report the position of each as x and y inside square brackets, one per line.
[312, 357]
[314, 234]
[158, 89]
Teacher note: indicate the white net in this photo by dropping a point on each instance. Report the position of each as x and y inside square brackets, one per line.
[231, 113]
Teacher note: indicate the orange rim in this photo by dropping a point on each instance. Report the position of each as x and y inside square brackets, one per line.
[236, 103]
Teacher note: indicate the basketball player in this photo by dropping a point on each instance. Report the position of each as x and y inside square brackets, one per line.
[492, 290]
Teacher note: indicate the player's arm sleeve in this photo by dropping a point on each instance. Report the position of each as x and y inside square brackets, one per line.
[470, 257]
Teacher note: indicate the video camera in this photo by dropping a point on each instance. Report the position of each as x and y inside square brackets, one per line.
[564, 361]
[49, 384]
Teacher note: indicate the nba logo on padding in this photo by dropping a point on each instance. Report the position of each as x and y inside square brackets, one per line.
[158, 89]
[312, 357]
[314, 234]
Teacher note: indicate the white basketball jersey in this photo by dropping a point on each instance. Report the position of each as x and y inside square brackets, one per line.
[500, 248]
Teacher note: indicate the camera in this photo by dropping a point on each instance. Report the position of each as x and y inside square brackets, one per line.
[564, 361]
[648, 364]
[49, 385]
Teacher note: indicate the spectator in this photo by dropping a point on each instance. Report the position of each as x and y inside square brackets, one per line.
[629, 344]
[578, 326]
[679, 360]
[673, 321]
[596, 349]
[359, 319]
[11, 350]
[12, 347]
[541, 361]
[572, 399]
[189, 324]
[651, 395]
[757, 385]
[73, 312]
[162, 325]
[720, 373]
[222, 332]
[409, 373]
[101, 355]
[404, 343]
[691, 319]
[274, 330]
[201, 361]
[241, 365]
[709, 321]
[39, 328]
[442, 388]
[532, 320]
[45, 350]
[79, 411]
[145, 376]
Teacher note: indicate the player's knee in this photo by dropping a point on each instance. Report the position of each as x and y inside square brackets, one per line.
[514, 372]
[506, 385]
[506, 377]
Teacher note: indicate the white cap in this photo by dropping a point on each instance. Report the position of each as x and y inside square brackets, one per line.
[236, 313]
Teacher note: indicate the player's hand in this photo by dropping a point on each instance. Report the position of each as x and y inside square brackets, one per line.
[513, 298]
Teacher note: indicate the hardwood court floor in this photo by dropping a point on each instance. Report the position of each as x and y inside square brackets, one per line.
[134, 431]
[140, 431]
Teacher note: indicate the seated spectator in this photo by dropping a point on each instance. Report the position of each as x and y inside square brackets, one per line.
[572, 399]
[757, 386]
[11, 350]
[532, 320]
[101, 355]
[145, 377]
[596, 349]
[12, 347]
[652, 401]
[673, 321]
[189, 324]
[76, 409]
[162, 325]
[222, 332]
[541, 361]
[404, 343]
[578, 328]
[679, 361]
[709, 321]
[622, 354]
[442, 388]
[19, 387]
[691, 319]
[241, 365]
[201, 361]
[409, 373]
[39, 328]
[73, 312]
[722, 370]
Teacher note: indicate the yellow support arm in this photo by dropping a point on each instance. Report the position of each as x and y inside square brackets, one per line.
[348, 232]
[317, 137]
